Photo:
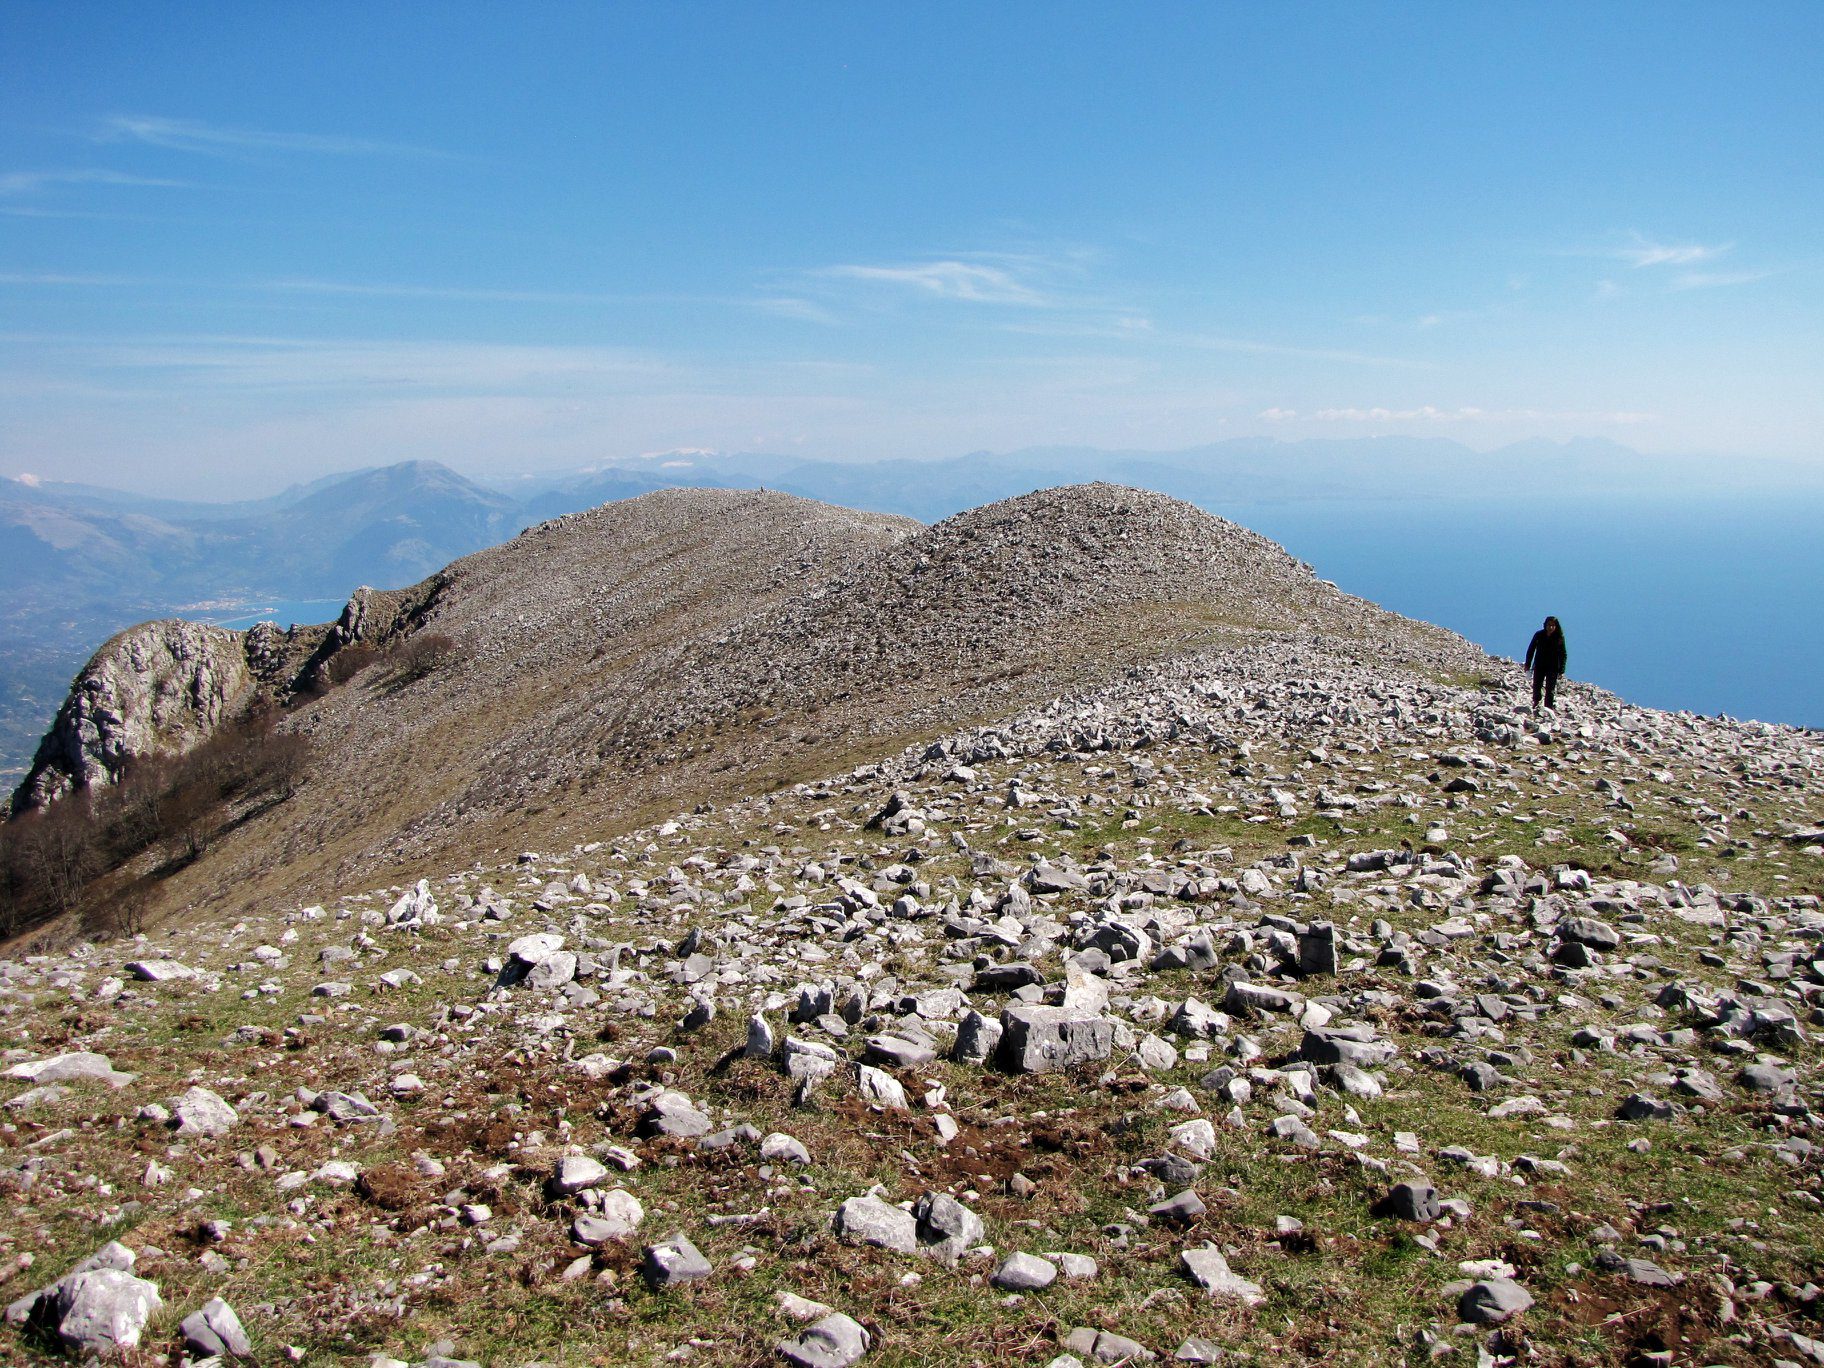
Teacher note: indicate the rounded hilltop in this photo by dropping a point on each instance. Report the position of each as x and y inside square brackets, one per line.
[697, 645]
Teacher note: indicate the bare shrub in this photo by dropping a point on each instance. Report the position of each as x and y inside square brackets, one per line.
[348, 662]
[51, 858]
[121, 916]
[58, 852]
[420, 655]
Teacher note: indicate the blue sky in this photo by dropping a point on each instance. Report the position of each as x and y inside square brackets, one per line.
[246, 244]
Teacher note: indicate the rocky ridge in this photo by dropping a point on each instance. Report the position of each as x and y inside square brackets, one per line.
[1271, 1005]
[698, 645]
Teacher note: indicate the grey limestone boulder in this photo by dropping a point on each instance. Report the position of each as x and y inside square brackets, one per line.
[946, 1228]
[1588, 931]
[1353, 1045]
[1105, 1346]
[868, 1220]
[79, 1066]
[879, 1088]
[202, 1113]
[836, 1341]
[1024, 1273]
[977, 1039]
[1644, 1107]
[1413, 1202]
[575, 1173]
[672, 1262]
[672, 1114]
[103, 1311]
[213, 1330]
[1038, 1039]
[1492, 1301]
[1210, 1271]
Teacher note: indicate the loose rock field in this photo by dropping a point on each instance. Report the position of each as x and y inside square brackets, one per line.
[1264, 1007]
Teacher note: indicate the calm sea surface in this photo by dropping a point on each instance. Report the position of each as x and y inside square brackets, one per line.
[1711, 607]
[284, 612]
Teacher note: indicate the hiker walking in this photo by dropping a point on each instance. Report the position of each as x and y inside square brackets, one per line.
[1545, 657]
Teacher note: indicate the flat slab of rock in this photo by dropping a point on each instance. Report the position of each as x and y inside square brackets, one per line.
[1024, 1273]
[535, 949]
[673, 1114]
[618, 1217]
[160, 971]
[899, 1052]
[575, 1173]
[836, 1341]
[79, 1066]
[1210, 1271]
[1104, 1346]
[1354, 1045]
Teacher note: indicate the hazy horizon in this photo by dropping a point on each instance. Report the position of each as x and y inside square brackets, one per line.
[1721, 472]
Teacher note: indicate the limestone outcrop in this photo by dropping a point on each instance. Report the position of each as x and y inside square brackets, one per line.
[160, 687]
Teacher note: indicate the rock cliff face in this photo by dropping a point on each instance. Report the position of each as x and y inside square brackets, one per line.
[159, 687]
[163, 687]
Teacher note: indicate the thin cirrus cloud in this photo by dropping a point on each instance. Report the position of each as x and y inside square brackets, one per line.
[1714, 280]
[387, 368]
[35, 182]
[1643, 251]
[1432, 413]
[973, 282]
[193, 135]
[794, 308]
[1675, 266]
[386, 290]
[70, 279]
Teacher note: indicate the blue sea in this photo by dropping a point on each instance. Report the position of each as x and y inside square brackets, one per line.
[283, 612]
[1710, 606]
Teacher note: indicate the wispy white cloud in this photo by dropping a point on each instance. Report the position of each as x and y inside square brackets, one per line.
[1711, 280]
[1432, 413]
[386, 290]
[1641, 251]
[1118, 326]
[790, 306]
[254, 363]
[62, 279]
[1255, 347]
[34, 182]
[193, 135]
[975, 282]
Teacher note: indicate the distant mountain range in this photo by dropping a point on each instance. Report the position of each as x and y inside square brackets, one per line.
[79, 563]
[1249, 470]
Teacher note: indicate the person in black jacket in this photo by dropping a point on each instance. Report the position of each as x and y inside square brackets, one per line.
[1545, 657]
